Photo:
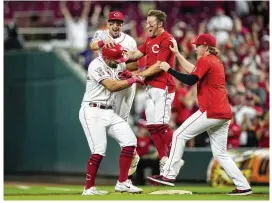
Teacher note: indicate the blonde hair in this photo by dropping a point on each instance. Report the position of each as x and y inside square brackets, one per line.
[160, 15]
[213, 51]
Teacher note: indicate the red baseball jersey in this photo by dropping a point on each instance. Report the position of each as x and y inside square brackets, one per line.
[211, 87]
[157, 49]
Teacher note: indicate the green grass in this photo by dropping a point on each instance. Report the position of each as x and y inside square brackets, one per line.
[73, 192]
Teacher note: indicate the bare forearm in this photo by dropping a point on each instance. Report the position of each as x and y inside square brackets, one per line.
[64, 10]
[94, 45]
[134, 55]
[152, 70]
[85, 11]
[117, 85]
[186, 65]
[132, 66]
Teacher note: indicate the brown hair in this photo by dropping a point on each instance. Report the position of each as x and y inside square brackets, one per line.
[213, 51]
[160, 15]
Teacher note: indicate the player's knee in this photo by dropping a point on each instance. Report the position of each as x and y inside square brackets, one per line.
[151, 129]
[130, 142]
[220, 155]
[100, 149]
[162, 128]
[175, 134]
[180, 135]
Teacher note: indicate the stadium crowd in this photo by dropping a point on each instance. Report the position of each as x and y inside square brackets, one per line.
[242, 32]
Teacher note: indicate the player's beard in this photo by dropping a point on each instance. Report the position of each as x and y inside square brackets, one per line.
[112, 65]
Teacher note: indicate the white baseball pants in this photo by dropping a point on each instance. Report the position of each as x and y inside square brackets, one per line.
[123, 102]
[95, 121]
[217, 130]
[158, 105]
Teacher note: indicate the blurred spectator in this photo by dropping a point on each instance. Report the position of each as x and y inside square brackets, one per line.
[148, 155]
[264, 53]
[98, 18]
[248, 135]
[262, 131]
[259, 94]
[242, 109]
[184, 101]
[234, 135]
[12, 42]
[235, 38]
[77, 27]
[252, 61]
[221, 25]
[186, 46]
[242, 8]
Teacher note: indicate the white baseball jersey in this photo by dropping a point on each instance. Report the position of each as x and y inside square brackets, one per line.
[124, 98]
[94, 120]
[126, 41]
[96, 92]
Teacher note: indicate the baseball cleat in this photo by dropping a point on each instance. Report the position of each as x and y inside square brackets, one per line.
[134, 164]
[94, 191]
[162, 180]
[127, 186]
[240, 192]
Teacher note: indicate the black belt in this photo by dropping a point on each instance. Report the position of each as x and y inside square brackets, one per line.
[100, 106]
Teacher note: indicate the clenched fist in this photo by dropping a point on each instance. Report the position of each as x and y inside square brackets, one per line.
[138, 79]
[125, 74]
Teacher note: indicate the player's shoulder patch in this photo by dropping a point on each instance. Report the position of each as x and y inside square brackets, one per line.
[99, 71]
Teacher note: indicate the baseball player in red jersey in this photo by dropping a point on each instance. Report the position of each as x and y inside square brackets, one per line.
[160, 85]
[213, 116]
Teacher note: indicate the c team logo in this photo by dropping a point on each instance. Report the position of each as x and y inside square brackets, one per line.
[155, 48]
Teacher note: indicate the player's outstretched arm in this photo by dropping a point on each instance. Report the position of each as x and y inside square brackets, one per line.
[86, 10]
[186, 65]
[117, 85]
[97, 44]
[132, 66]
[184, 78]
[134, 55]
[65, 11]
[151, 70]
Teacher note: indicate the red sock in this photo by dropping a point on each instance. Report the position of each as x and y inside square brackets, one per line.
[92, 168]
[159, 144]
[157, 140]
[126, 157]
[167, 137]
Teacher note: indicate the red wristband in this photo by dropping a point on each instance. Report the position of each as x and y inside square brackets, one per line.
[130, 81]
[100, 43]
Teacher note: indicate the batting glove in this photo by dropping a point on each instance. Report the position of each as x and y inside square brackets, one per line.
[135, 79]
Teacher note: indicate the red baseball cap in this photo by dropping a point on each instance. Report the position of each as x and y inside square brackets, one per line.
[116, 15]
[205, 39]
[116, 53]
[219, 9]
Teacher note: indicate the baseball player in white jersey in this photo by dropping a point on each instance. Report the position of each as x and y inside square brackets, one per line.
[96, 114]
[113, 35]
